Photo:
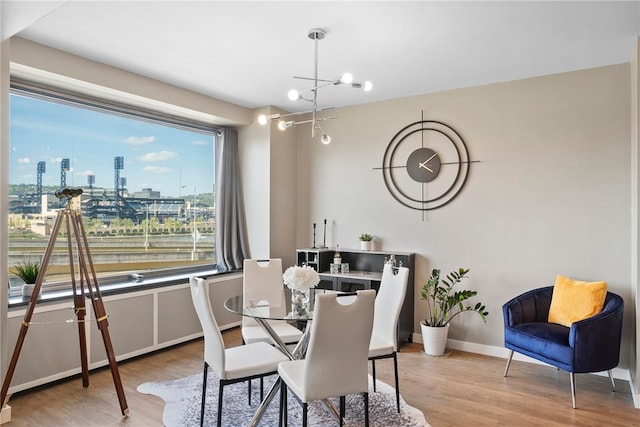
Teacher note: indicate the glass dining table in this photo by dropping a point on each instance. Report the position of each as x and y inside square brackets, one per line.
[265, 306]
[270, 305]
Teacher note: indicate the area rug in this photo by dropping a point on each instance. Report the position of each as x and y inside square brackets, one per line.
[182, 405]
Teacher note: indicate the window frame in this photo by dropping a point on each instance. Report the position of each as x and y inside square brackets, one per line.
[124, 105]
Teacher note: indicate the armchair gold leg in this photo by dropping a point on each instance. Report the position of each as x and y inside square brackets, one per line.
[506, 369]
[613, 383]
[573, 389]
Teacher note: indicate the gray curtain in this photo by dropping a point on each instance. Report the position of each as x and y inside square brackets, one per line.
[231, 230]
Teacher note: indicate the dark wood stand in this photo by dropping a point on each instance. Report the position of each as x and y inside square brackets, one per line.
[88, 280]
[363, 261]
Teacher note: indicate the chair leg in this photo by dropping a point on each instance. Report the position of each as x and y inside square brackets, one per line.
[395, 368]
[305, 410]
[506, 369]
[261, 389]
[343, 402]
[249, 391]
[282, 419]
[373, 373]
[613, 383]
[204, 393]
[220, 390]
[572, 377]
[366, 409]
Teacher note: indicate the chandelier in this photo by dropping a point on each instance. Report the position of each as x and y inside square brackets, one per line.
[311, 95]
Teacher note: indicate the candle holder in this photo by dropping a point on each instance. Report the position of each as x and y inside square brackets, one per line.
[324, 239]
[314, 236]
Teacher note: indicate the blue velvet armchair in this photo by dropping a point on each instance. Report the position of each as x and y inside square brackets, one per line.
[589, 345]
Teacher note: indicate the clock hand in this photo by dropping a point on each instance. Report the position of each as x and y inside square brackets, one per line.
[422, 165]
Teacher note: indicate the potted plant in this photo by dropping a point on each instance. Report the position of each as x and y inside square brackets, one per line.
[443, 304]
[27, 271]
[366, 241]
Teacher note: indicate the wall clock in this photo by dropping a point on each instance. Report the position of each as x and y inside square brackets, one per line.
[425, 165]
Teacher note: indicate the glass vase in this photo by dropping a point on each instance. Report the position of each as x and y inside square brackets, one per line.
[299, 303]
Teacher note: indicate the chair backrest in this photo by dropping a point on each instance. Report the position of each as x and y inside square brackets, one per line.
[262, 280]
[336, 360]
[393, 288]
[214, 354]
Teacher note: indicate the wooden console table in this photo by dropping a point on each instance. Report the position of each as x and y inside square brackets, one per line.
[365, 271]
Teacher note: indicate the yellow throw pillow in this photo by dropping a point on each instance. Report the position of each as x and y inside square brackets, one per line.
[575, 300]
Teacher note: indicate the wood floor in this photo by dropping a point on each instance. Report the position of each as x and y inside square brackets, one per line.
[463, 389]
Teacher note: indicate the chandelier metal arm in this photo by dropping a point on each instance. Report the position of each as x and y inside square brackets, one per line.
[330, 83]
[315, 89]
[334, 82]
[299, 113]
[320, 80]
[318, 119]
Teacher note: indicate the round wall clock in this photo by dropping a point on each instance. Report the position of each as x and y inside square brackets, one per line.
[426, 165]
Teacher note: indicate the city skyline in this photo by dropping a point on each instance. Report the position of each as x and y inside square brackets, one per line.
[173, 161]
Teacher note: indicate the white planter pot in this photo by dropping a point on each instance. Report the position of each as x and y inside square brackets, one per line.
[365, 246]
[434, 339]
[27, 289]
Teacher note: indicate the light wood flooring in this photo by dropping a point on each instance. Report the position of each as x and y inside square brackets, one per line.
[463, 389]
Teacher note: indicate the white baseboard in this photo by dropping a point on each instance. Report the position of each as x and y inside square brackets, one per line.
[489, 350]
[634, 395]
[5, 414]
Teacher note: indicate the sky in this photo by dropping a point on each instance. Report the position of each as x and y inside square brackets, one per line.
[173, 161]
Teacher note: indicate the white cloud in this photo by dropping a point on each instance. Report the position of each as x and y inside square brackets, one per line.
[159, 156]
[200, 142]
[140, 140]
[23, 160]
[157, 169]
[85, 173]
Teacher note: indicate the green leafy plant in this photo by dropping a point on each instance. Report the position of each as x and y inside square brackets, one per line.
[443, 302]
[366, 237]
[27, 271]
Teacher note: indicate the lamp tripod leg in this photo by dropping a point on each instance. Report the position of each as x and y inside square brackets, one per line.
[29, 312]
[88, 273]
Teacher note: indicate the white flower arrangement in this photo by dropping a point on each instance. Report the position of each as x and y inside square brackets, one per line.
[301, 278]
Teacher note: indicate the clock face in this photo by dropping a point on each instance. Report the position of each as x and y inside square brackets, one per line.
[423, 165]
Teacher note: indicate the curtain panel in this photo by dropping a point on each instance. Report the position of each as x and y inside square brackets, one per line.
[231, 230]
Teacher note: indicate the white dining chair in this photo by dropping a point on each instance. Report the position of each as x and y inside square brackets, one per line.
[384, 338]
[336, 361]
[262, 280]
[231, 365]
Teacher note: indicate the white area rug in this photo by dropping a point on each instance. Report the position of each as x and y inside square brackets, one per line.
[182, 405]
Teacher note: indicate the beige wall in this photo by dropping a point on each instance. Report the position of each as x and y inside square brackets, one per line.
[551, 194]
[268, 167]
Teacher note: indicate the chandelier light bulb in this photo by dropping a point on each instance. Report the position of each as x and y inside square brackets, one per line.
[262, 119]
[346, 78]
[293, 95]
[282, 125]
[325, 139]
[368, 86]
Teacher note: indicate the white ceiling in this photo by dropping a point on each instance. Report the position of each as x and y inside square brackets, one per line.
[248, 52]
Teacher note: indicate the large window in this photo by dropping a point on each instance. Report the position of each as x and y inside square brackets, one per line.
[147, 199]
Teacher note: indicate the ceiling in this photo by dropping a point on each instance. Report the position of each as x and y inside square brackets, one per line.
[248, 52]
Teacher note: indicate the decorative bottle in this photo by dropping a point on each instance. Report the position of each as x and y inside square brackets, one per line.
[337, 259]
